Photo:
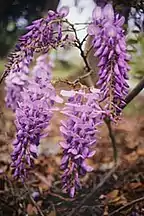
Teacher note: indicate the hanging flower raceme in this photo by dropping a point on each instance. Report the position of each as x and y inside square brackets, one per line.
[44, 34]
[33, 113]
[19, 59]
[17, 71]
[41, 82]
[43, 68]
[110, 48]
[80, 135]
[31, 118]
[14, 85]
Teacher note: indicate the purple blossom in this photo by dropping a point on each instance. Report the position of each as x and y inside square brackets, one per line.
[33, 114]
[18, 59]
[110, 48]
[15, 82]
[43, 67]
[80, 135]
[41, 82]
[43, 34]
[46, 32]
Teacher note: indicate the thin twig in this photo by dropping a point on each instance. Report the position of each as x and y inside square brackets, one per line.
[76, 81]
[83, 56]
[84, 39]
[86, 23]
[73, 83]
[112, 137]
[93, 192]
[82, 77]
[127, 205]
[79, 46]
[60, 197]
[33, 201]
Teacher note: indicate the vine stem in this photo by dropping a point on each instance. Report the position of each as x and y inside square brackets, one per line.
[113, 139]
[127, 205]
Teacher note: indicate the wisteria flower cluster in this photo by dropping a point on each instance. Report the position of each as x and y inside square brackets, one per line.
[32, 96]
[15, 83]
[33, 113]
[42, 35]
[80, 135]
[110, 48]
[45, 33]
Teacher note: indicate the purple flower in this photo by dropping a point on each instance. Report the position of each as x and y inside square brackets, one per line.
[15, 82]
[46, 32]
[44, 66]
[41, 80]
[110, 48]
[33, 114]
[18, 80]
[19, 59]
[43, 34]
[32, 117]
[80, 135]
